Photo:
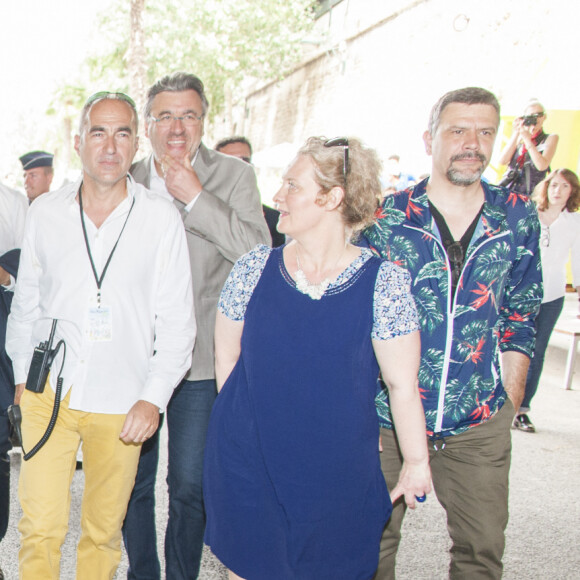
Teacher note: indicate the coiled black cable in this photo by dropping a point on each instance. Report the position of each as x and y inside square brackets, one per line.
[55, 409]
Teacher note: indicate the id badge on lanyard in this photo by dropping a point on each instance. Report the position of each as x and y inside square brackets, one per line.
[99, 322]
[99, 327]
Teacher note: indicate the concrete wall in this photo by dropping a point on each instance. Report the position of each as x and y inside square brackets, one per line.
[381, 65]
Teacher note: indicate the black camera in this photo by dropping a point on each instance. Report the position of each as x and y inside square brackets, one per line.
[530, 120]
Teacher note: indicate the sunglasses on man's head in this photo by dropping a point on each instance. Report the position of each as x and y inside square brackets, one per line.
[106, 94]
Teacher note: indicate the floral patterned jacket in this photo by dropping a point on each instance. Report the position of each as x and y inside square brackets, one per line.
[493, 311]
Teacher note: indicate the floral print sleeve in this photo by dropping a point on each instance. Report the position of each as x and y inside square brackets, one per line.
[394, 308]
[242, 282]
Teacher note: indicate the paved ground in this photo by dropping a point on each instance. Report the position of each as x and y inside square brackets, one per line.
[543, 535]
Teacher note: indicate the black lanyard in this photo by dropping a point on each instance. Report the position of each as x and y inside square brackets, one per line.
[98, 280]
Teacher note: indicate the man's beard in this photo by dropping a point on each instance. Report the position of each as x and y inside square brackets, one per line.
[462, 179]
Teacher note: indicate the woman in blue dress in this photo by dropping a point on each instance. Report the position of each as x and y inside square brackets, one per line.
[292, 479]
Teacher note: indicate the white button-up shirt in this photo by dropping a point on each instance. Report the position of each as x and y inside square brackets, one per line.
[13, 206]
[147, 287]
[157, 184]
[562, 237]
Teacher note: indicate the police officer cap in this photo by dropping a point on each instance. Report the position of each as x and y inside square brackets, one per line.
[36, 159]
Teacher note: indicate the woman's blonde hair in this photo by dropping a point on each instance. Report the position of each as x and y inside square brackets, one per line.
[540, 195]
[361, 184]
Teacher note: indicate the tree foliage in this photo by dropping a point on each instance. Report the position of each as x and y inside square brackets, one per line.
[224, 42]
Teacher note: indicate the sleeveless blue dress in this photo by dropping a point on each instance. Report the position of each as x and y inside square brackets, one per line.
[292, 479]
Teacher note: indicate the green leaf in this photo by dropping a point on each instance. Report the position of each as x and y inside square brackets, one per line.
[495, 212]
[403, 252]
[468, 341]
[429, 310]
[435, 269]
[461, 398]
[431, 369]
[462, 309]
[528, 224]
[493, 262]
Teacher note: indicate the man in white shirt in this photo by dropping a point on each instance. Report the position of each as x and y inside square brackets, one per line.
[13, 208]
[123, 303]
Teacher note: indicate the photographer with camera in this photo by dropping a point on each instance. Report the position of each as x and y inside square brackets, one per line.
[529, 151]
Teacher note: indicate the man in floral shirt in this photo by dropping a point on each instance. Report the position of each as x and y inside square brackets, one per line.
[472, 250]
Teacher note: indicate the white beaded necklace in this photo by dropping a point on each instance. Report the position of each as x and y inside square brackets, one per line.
[315, 291]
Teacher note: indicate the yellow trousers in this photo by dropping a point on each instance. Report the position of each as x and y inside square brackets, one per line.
[110, 467]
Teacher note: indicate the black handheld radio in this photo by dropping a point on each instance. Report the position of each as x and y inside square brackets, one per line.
[40, 365]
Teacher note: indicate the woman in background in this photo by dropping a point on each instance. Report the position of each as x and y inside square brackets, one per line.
[529, 151]
[557, 198]
[292, 478]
